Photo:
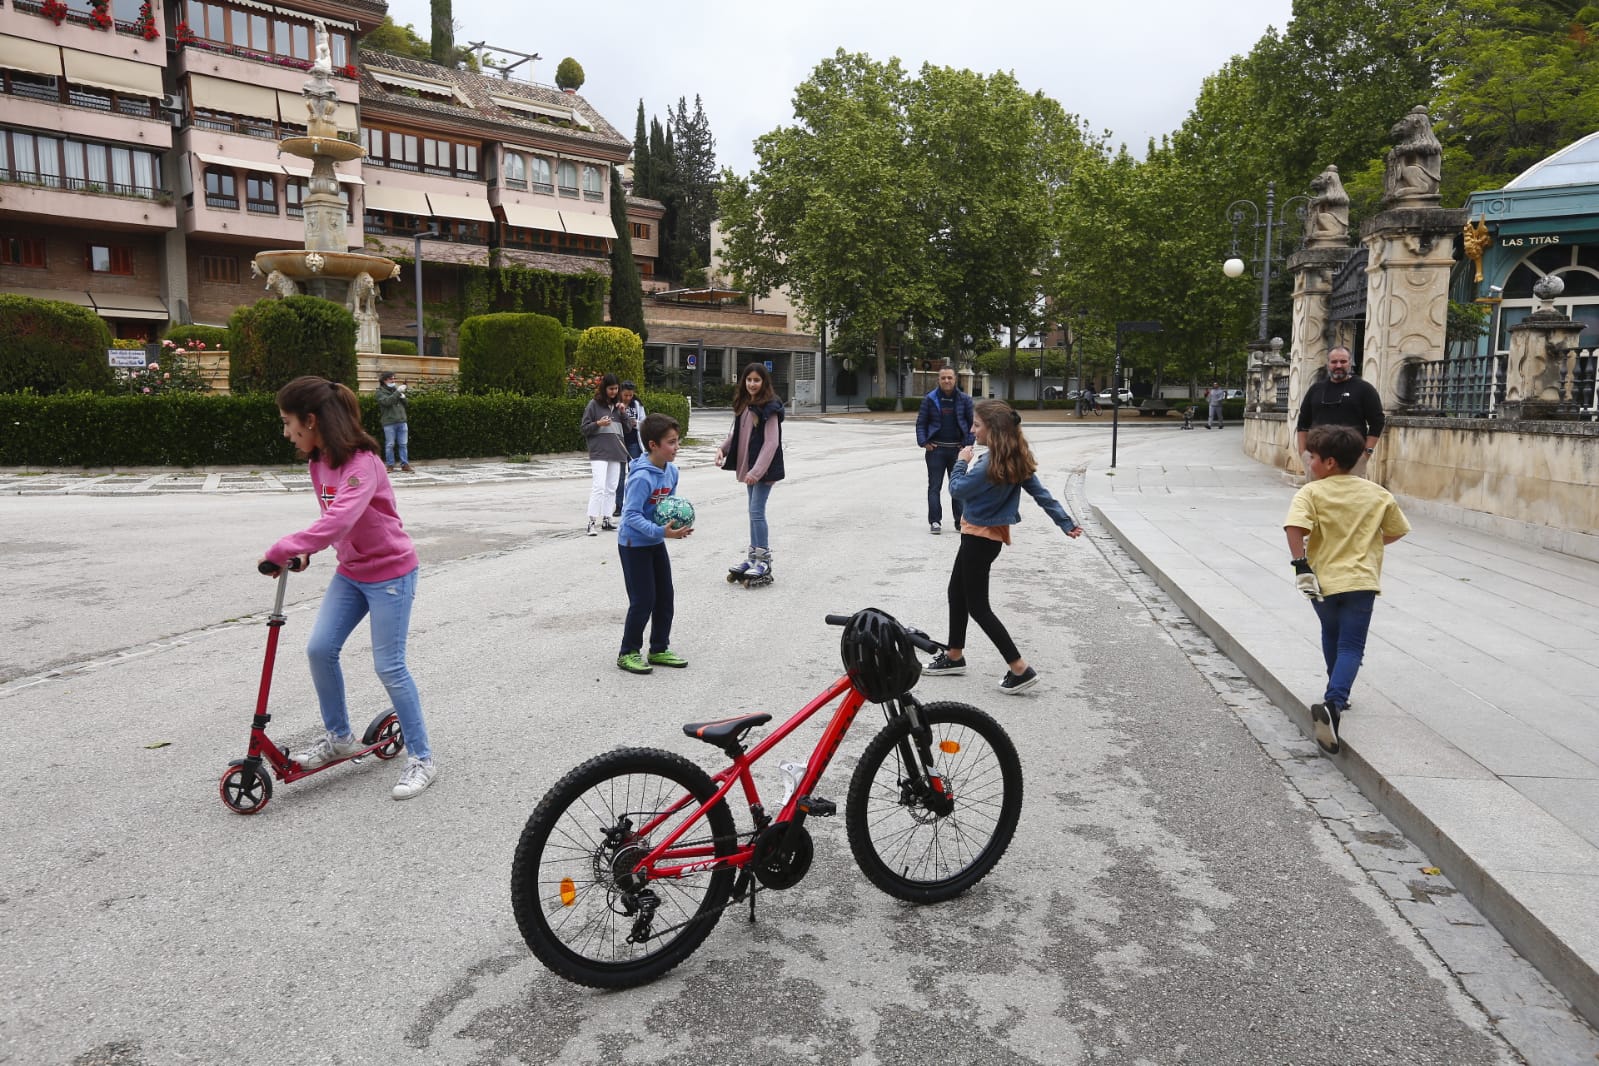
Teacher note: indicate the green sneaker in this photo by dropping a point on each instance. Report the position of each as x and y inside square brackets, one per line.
[667, 658]
[633, 663]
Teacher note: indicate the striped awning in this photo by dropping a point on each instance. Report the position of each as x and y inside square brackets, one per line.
[449, 205]
[108, 72]
[528, 217]
[32, 57]
[588, 225]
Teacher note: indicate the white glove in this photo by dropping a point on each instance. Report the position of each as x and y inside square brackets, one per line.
[1305, 579]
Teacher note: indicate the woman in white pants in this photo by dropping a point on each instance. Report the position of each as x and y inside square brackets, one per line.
[605, 419]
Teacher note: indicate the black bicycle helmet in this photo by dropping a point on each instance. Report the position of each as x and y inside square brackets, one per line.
[879, 656]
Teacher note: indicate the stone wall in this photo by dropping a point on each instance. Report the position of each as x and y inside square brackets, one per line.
[410, 368]
[1531, 480]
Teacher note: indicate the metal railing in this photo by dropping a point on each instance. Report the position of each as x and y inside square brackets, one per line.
[56, 181]
[1579, 382]
[229, 203]
[1463, 387]
[31, 91]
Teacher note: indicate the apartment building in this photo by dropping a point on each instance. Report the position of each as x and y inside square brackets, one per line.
[140, 172]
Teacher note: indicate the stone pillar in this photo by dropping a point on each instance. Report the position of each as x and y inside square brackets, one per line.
[1313, 270]
[1410, 251]
[1536, 371]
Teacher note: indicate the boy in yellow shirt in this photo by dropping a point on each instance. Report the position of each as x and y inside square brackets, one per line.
[1337, 526]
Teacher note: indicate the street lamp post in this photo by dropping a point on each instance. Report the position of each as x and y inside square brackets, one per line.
[1274, 218]
[1116, 379]
[416, 268]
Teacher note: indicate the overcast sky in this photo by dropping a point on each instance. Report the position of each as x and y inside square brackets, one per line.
[1134, 70]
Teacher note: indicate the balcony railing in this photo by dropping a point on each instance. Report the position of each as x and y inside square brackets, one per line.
[569, 190]
[552, 249]
[48, 93]
[259, 207]
[226, 203]
[56, 181]
[590, 194]
[443, 172]
[544, 187]
[1462, 387]
[516, 183]
[1579, 384]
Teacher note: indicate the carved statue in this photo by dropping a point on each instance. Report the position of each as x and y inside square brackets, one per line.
[255, 269]
[1327, 221]
[323, 67]
[1415, 163]
[363, 296]
[279, 283]
[1476, 240]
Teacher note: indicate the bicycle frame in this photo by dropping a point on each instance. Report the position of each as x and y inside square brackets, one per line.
[739, 773]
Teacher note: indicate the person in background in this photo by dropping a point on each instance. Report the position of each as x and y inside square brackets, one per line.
[1341, 399]
[396, 428]
[753, 450]
[630, 437]
[1216, 395]
[943, 428]
[603, 423]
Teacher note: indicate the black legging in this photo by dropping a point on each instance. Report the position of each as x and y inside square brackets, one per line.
[968, 595]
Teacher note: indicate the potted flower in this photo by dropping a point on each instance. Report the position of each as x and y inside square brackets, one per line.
[54, 10]
[100, 13]
[144, 25]
[348, 71]
[184, 34]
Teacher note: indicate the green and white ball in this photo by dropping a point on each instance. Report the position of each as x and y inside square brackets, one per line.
[675, 511]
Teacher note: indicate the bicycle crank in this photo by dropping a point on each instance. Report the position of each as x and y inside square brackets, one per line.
[783, 854]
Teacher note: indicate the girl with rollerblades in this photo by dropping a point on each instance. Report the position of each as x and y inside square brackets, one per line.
[753, 450]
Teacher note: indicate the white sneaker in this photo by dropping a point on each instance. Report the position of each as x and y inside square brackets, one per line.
[417, 776]
[329, 749]
[593, 531]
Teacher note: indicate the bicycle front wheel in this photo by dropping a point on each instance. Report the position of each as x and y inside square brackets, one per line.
[579, 905]
[927, 821]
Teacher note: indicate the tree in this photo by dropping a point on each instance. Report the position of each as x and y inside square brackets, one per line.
[569, 75]
[694, 150]
[627, 292]
[443, 50]
[831, 212]
[642, 177]
[397, 40]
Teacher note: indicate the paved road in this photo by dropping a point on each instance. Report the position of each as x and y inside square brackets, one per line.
[1173, 894]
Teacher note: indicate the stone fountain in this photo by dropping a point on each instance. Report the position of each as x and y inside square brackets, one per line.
[325, 267]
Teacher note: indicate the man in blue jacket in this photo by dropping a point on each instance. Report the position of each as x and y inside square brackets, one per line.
[943, 428]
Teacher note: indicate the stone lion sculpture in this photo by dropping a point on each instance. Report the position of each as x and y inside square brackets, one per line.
[1415, 162]
[363, 296]
[281, 284]
[1327, 221]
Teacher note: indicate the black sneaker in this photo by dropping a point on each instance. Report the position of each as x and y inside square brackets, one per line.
[1324, 723]
[943, 664]
[935, 528]
[1013, 683]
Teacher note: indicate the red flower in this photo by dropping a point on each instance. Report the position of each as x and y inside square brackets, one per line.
[186, 35]
[54, 10]
[348, 71]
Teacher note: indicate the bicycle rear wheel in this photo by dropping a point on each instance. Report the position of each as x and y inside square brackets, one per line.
[926, 822]
[570, 880]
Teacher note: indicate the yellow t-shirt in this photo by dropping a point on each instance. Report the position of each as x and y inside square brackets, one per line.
[1347, 517]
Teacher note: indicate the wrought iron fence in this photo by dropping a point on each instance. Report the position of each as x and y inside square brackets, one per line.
[1579, 382]
[1463, 387]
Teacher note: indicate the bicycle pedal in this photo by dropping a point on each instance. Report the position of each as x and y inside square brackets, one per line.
[817, 807]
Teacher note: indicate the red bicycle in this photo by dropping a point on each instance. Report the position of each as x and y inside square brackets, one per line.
[627, 864]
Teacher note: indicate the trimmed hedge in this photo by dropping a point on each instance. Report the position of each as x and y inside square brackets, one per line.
[512, 352]
[397, 347]
[50, 346]
[611, 350]
[198, 429]
[275, 341]
[215, 338]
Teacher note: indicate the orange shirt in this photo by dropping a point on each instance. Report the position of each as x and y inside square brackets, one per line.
[999, 533]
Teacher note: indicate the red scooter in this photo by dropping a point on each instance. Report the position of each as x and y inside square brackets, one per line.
[246, 787]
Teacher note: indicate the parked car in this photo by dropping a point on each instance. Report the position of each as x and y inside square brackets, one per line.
[1235, 394]
[1123, 397]
[1055, 392]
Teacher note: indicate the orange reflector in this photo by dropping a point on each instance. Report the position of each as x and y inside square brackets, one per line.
[568, 892]
[949, 747]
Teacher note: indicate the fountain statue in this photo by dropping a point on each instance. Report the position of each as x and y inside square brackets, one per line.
[325, 267]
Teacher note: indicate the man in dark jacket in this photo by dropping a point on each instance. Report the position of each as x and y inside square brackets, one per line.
[391, 412]
[943, 428]
[1341, 399]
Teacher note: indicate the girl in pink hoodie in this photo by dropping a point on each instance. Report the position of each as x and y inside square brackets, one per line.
[376, 574]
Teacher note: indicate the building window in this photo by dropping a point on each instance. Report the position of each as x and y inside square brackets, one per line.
[110, 259]
[515, 171]
[466, 161]
[22, 252]
[251, 31]
[593, 189]
[567, 175]
[222, 269]
[641, 230]
[294, 198]
[541, 176]
[435, 155]
[261, 195]
[221, 189]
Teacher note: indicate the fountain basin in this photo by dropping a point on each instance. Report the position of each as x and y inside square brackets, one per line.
[333, 148]
[291, 263]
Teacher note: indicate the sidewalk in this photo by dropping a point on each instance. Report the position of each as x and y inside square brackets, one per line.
[1475, 725]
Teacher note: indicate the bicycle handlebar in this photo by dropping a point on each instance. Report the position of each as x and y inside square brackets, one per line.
[270, 569]
[918, 638]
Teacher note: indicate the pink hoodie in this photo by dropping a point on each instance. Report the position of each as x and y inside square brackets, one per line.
[358, 518]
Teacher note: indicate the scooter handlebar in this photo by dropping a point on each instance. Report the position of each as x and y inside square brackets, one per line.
[270, 569]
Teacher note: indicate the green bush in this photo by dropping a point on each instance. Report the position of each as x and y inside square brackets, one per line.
[199, 338]
[276, 341]
[569, 74]
[511, 352]
[612, 350]
[197, 429]
[719, 394]
[913, 404]
[880, 403]
[49, 346]
[569, 338]
[397, 347]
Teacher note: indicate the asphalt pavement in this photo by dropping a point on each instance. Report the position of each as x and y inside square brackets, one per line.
[1474, 726]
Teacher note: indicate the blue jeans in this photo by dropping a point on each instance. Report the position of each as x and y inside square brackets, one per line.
[343, 607]
[940, 463]
[633, 452]
[760, 535]
[1345, 619]
[650, 598]
[395, 435]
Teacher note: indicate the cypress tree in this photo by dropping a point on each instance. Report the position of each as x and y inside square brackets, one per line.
[643, 179]
[443, 33]
[627, 292]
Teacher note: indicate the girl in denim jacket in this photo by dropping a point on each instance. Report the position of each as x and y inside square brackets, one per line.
[990, 492]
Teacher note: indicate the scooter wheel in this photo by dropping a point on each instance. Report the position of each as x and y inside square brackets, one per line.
[385, 730]
[246, 789]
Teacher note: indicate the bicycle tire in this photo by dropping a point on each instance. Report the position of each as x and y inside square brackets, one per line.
[908, 850]
[583, 936]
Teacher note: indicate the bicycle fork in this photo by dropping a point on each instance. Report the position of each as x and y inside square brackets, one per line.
[924, 782]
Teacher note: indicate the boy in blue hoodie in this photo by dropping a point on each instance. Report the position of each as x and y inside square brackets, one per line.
[641, 543]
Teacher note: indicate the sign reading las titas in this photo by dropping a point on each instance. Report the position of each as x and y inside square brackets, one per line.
[130, 359]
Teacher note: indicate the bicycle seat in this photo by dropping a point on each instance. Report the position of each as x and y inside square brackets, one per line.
[724, 731]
